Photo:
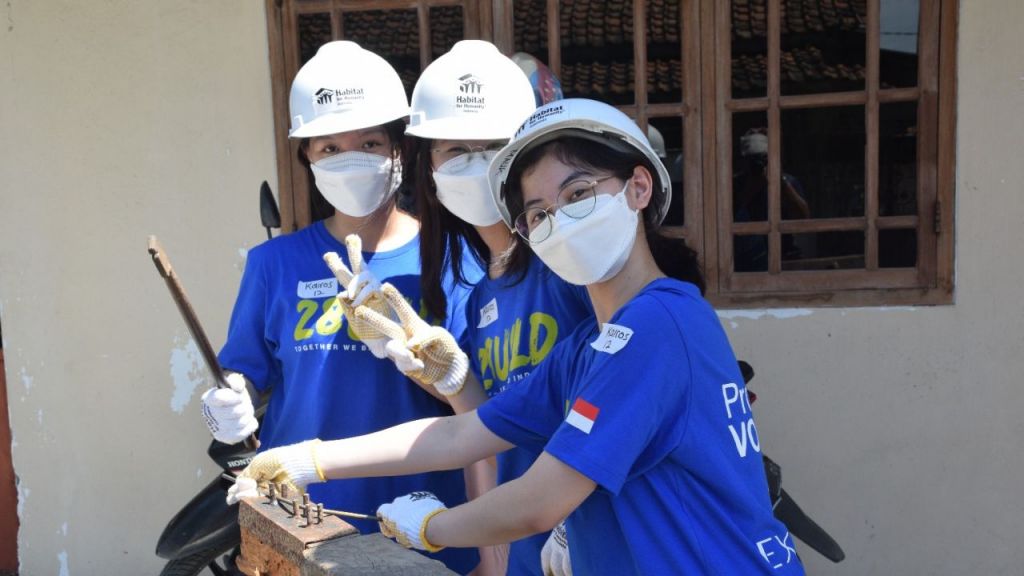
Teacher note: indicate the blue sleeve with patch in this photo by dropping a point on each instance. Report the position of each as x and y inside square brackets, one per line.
[527, 414]
[628, 409]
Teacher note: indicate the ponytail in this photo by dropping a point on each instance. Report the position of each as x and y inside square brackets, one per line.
[676, 259]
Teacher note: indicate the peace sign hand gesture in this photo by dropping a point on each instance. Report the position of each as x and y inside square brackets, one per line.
[361, 288]
[427, 354]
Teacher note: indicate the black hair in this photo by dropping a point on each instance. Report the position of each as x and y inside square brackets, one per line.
[672, 255]
[443, 235]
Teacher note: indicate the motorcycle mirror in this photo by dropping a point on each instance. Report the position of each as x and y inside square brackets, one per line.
[270, 216]
[747, 371]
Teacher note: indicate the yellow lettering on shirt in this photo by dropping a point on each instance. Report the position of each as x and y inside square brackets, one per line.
[330, 321]
[501, 355]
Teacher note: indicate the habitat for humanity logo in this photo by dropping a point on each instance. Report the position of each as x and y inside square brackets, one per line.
[334, 97]
[471, 86]
[538, 117]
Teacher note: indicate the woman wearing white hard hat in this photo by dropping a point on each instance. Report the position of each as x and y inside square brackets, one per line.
[465, 107]
[640, 418]
[292, 334]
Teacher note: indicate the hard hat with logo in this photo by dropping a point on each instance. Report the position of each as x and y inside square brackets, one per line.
[344, 88]
[473, 92]
[579, 118]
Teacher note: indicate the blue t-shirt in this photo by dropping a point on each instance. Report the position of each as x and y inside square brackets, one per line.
[288, 335]
[651, 406]
[510, 328]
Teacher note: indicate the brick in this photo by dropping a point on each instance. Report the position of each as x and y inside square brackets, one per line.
[274, 543]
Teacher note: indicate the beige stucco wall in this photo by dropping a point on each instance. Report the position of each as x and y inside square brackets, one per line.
[120, 119]
[898, 429]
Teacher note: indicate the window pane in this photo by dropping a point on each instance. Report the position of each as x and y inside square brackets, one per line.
[669, 132]
[897, 248]
[314, 31]
[664, 50]
[898, 43]
[749, 48]
[446, 28]
[823, 45]
[597, 50]
[823, 251]
[749, 162]
[530, 22]
[392, 34]
[750, 253]
[897, 151]
[823, 162]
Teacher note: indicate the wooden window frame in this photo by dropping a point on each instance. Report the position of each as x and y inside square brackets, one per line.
[931, 281]
[705, 110]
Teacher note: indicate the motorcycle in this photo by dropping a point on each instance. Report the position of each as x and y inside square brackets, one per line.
[204, 534]
[785, 508]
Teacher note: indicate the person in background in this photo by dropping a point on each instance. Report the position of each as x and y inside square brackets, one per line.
[292, 334]
[750, 203]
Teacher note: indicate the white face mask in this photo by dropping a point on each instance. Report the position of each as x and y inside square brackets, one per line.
[463, 188]
[356, 183]
[595, 247]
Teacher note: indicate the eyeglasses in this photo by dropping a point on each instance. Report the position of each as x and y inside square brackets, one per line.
[576, 200]
[455, 149]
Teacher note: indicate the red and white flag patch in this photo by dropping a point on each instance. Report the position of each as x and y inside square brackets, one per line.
[582, 415]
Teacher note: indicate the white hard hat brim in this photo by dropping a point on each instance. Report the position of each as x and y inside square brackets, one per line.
[575, 121]
[337, 123]
[464, 128]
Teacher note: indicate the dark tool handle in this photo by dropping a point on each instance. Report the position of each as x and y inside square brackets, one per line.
[163, 266]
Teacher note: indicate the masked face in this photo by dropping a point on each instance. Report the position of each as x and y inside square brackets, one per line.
[356, 183]
[463, 188]
[593, 248]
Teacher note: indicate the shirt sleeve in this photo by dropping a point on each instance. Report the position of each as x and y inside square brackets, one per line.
[630, 410]
[528, 413]
[248, 349]
[456, 323]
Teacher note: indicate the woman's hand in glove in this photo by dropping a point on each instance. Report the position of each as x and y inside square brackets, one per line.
[294, 466]
[554, 557]
[425, 353]
[361, 288]
[406, 518]
[228, 412]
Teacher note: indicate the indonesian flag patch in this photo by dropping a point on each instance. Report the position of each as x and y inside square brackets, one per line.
[582, 415]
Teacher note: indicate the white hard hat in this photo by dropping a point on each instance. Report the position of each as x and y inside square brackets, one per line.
[473, 92]
[344, 88]
[581, 118]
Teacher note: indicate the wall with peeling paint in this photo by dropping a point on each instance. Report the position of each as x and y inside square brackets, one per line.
[897, 428]
[119, 120]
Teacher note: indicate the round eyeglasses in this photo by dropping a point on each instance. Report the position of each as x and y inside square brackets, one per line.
[449, 150]
[576, 200]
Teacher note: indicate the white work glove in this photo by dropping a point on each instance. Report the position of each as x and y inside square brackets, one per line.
[361, 288]
[427, 354]
[294, 465]
[405, 519]
[554, 557]
[228, 412]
